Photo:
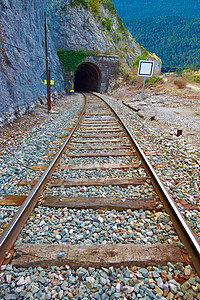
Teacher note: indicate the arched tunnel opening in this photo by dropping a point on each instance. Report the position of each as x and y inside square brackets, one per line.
[87, 78]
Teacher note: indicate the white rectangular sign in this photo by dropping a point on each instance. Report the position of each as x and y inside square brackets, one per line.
[145, 68]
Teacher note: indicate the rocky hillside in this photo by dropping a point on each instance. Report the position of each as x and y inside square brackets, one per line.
[89, 25]
[94, 26]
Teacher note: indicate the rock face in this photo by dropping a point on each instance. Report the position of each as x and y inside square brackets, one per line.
[22, 25]
[76, 28]
[72, 27]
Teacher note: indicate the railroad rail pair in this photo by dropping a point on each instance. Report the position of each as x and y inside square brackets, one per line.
[185, 233]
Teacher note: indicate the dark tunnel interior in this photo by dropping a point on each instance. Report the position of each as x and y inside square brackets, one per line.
[87, 78]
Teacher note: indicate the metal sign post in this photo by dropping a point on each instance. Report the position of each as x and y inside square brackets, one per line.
[49, 87]
[47, 66]
[143, 88]
[145, 69]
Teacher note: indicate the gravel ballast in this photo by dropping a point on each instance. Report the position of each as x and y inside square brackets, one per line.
[176, 164]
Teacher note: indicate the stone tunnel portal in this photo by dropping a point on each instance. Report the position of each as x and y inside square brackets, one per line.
[87, 78]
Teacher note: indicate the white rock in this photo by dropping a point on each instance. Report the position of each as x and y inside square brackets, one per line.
[100, 219]
[28, 280]
[21, 281]
[42, 223]
[8, 278]
[19, 289]
[90, 282]
[118, 287]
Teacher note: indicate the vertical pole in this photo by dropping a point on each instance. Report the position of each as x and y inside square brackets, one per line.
[49, 103]
[72, 89]
[47, 61]
[143, 88]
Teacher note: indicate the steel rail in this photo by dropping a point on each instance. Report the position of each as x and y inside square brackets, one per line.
[11, 233]
[183, 229]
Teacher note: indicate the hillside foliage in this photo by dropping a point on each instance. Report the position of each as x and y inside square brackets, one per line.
[175, 40]
[71, 58]
[139, 9]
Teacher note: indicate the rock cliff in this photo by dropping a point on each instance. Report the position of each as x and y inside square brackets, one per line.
[75, 24]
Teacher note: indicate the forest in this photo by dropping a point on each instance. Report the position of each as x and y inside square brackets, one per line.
[175, 40]
[139, 9]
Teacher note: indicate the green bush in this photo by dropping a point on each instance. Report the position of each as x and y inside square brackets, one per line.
[71, 58]
[196, 78]
[192, 75]
[121, 25]
[109, 5]
[141, 57]
[78, 2]
[153, 79]
[116, 37]
[94, 6]
[107, 23]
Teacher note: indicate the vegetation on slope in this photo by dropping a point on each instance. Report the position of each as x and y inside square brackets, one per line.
[71, 58]
[176, 40]
[191, 75]
[112, 25]
[140, 9]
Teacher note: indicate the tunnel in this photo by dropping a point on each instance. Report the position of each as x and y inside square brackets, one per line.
[87, 78]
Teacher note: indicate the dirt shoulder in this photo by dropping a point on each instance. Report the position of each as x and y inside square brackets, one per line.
[167, 106]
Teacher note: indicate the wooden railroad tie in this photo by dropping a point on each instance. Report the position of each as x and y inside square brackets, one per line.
[124, 181]
[116, 255]
[99, 141]
[99, 166]
[105, 147]
[89, 166]
[93, 202]
[98, 135]
[96, 154]
[100, 154]
[102, 129]
[100, 124]
[110, 203]
[99, 181]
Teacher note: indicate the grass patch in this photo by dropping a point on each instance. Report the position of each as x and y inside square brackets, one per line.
[153, 79]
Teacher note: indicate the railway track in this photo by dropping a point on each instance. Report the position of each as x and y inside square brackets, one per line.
[100, 174]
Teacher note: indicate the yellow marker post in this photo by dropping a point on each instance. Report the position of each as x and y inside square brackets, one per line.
[72, 89]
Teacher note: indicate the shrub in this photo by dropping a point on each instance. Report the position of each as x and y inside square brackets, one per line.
[109, 5]
[196, 78]
[153, 79]
[121, 25]
[116, 37]
[94, 6]
[141, 57]
[180, 83]
[78, 2]
[71, 58]
[107, 23]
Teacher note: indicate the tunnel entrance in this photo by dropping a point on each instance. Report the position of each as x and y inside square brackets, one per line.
[87, 78]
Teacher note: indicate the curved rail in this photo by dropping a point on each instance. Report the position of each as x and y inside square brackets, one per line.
[183, 229]
[10, 234]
